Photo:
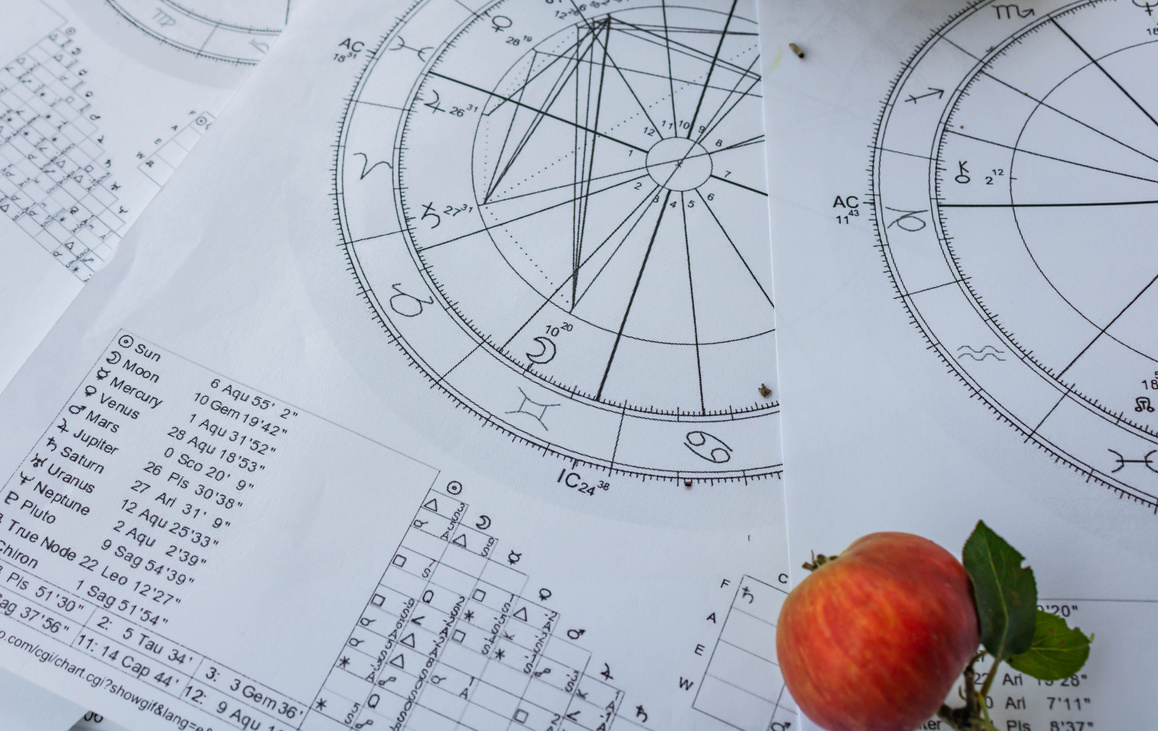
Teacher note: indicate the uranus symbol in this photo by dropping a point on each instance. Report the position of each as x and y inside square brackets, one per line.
[546, 351]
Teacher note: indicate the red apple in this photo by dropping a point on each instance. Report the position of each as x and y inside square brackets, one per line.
[873, 640]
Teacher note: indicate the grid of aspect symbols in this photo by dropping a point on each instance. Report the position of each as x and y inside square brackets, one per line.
[54, 177]
[164, 160]
[742, 685]
[447, 641]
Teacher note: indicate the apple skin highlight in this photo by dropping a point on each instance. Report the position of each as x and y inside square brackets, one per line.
[875, 639]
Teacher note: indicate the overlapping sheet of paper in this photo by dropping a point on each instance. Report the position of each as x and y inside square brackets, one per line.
[963, 205]
[467, 419]
[99, 102]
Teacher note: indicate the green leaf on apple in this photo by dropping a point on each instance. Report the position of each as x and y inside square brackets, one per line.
[1057, 652]
[1004, 590]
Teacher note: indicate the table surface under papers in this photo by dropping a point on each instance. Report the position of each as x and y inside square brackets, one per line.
[468, 421]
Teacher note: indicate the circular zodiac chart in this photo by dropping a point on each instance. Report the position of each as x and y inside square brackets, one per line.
[558, 211]
[224, 30]
[1015, 182]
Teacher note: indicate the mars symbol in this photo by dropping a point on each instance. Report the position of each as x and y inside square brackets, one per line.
[565, 194]
[1015, 211]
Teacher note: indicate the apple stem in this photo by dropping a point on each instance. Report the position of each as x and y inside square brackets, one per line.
[818, 560]
[974, 716]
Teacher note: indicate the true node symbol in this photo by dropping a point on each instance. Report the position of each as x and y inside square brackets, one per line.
[533, 409]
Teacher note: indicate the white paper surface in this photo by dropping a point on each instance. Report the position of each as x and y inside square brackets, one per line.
[99, 102]
[370, 491]
[96, 722]
[27, 707]
[994, 362]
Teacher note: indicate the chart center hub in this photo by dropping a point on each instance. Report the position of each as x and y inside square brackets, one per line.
[679, 164]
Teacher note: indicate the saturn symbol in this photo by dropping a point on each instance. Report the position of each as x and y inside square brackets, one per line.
[547, 352]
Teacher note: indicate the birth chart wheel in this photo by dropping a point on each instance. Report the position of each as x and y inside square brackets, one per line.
[559, 212]
[1015, 181]
[223, 30]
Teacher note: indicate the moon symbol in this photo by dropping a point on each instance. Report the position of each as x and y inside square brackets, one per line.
[484, 522]
[546, 355]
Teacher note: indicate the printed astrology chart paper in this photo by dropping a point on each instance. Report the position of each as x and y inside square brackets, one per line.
[964, 329]
[455, 423]
[99, 101]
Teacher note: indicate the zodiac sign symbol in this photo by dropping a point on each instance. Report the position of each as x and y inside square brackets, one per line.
[1143, 404]
[1008, 11]
[420, 52]
[708, 447]
[533, 409]
[547, 352]
[1146, 460]
[910, 221]
[405, 304]
[986, 351]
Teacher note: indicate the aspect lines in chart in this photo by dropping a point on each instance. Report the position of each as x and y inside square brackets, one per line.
[573, 191]
[1029, 244]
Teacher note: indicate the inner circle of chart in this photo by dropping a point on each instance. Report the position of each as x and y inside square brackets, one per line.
[1015, 185]
[679, 164]
[574, 192]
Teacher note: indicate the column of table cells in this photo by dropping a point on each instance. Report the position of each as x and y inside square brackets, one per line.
[363, 665]
[742, 685]
[595, 705]
[54, 179]
[525, 635]
[235, 699]
[164, 160]
[439, 515]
